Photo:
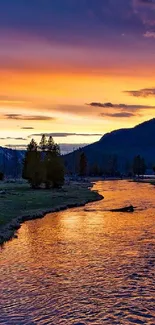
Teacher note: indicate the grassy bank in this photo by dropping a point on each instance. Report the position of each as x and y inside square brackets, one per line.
[19, 203]
[146, 180]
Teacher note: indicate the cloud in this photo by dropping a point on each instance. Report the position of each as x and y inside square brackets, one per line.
[27, 128]
[7, 99]
[145, 92]
[64, 135]
[120, 110]
[144, 10]
[149, 34]
[123, 114]
[146, 2]
[122, 107]
[16, 146]
[28, 117]
[11, 138]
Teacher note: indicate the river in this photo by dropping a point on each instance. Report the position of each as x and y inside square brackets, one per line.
[84, 266]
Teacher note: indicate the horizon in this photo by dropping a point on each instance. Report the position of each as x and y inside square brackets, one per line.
[80, 68]
[65, 148]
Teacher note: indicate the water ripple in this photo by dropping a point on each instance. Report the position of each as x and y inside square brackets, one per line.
[82, 267]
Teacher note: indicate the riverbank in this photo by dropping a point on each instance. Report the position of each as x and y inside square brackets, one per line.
[145, 180]
[19, 203]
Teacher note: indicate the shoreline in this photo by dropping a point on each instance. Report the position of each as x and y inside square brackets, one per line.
[9, 230]
[150, 181]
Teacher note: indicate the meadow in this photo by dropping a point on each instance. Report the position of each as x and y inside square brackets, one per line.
[18, 199]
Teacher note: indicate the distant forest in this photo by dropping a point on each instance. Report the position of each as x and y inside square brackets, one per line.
[43, 164]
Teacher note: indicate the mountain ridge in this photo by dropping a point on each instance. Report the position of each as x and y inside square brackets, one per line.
[124, 143]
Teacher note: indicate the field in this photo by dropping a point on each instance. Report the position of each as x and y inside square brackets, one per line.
[19, 200]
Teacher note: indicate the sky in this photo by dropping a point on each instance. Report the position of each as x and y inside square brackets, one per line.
[75, 69]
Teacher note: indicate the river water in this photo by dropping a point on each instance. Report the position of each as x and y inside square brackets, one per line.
[85, 265]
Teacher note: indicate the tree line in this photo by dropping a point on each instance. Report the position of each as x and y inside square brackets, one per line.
[43, 165]
[110, 167]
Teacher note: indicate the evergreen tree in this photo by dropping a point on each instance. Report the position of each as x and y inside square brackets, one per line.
[143, 166]
[112, 165]
[1, 176]
[43, 166]
[95, 170]
[54, 169]
[32, 167]
[43, 143]
[50, 144]
[139, 166]
[83, 165]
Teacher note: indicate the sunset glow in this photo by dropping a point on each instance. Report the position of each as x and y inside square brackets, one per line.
[56, 60]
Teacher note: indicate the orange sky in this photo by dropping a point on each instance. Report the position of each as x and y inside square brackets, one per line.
[56, 102]
[82, 67]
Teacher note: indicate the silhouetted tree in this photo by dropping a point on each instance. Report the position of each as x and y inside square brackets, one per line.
[50, 143]
[139, 166]
[1, 176]
[43, 166]
[32, 167]
[128, 168]
[43, 143]
[95, 170]
[53, 165]
[112, 166]
[83, 164]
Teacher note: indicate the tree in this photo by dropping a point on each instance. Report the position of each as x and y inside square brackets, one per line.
[1, 176]
[153, 168]
[53, 166]
[139, 166]
[83, 164]
[43, 143]
[50, 144]
[143, 166]
[112, 165]
[43, 166]
[32, 167]
[54, 171]
[95, 170]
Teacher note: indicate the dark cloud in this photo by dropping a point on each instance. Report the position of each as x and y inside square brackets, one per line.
[64, 135]
[28, 117]
[145, 92]
[11, 138]
[27, 128]
[120, 110]
[123, 114]
[122, 107]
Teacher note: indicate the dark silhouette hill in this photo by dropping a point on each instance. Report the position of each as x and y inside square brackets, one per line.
[11, 161]
[122, 143]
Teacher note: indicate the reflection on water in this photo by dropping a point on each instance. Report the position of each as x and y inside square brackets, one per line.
[84, 267]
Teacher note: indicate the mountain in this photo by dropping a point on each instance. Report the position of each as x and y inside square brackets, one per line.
[123, 144]
[11, 161]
